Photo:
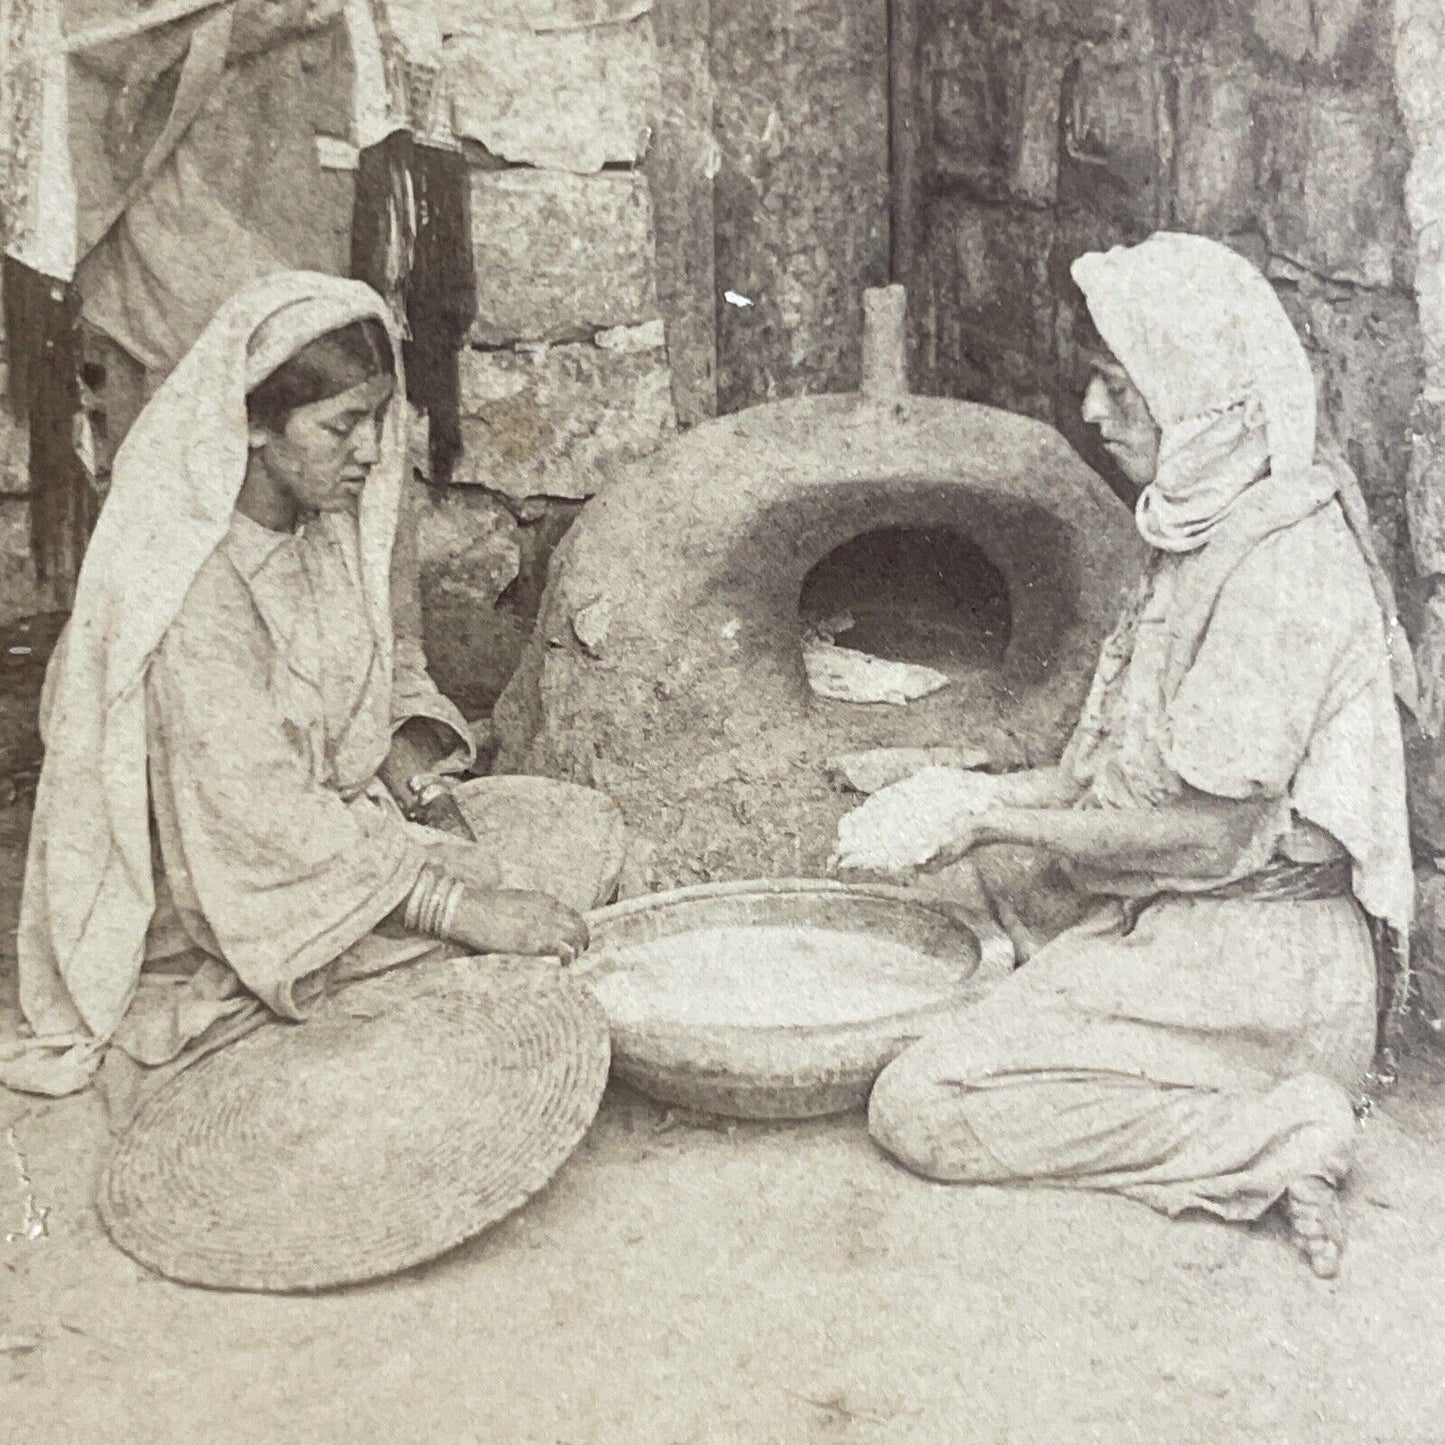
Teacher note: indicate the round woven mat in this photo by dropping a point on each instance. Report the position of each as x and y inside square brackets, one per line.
[410, 1113]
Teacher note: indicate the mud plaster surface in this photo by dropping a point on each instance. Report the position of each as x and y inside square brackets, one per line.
[684, 1284]
[680, 1284]
[666, 667]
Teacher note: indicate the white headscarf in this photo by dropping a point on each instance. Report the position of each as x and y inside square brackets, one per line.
[89, 893]
[1205, 339]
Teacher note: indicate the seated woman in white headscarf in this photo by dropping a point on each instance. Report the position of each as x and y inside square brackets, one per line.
[238, 744]
[1233, 799]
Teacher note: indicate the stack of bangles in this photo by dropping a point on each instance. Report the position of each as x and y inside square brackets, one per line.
[431, 906]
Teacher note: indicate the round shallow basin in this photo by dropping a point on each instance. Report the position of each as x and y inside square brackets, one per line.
[777, 999]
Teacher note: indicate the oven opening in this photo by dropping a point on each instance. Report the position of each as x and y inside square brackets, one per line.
[925, 596]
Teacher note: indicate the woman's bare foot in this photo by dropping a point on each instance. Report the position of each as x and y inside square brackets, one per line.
[1316, 1223]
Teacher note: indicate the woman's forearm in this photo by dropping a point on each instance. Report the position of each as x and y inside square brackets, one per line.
[1036, 788]
[1196, 837]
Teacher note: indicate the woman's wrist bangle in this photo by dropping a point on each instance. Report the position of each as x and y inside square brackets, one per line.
[432, 917]
[456, 889]
[433, 898]
[420, 891]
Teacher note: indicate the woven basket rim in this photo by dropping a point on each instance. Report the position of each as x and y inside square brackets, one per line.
[779, 888]
[778, 1062]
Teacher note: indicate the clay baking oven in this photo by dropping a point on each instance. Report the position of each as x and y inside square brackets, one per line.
[667, 665]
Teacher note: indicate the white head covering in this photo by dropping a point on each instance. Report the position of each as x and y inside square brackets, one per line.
[89, 893]
[1205, 339]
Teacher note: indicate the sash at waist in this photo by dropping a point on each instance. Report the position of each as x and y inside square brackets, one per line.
[1277, 882]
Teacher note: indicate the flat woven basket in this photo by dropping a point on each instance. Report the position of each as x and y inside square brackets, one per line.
[409, 1114]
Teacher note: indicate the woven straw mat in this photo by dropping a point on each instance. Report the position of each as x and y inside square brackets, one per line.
[409, 1114]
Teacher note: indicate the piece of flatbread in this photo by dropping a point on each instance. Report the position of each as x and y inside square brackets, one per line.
[847, 675]
[904, 826]
[879, 768]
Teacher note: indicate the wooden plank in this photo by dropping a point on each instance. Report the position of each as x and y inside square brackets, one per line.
[904, 138]
[680, 164]
[905, 195]
[802, 191]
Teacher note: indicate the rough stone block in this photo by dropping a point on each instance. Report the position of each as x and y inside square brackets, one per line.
[1366, 350]
[468, 555]
[475, 629]
[1426, 491]
[969, 77]
[993, 120]
[1343, 27]
[1214, 150]
[1034, 153]
[1429, 934]
[19, 596]
[801, 191]
[989, 308]
[548, 425]
[454, 16]
[682, 159]
[1110, 161]
[560, 256]
[1419, 61]
[1331, 179]
[467, 535]
[1285, 26]
[1425, 197]
[14, 449]
[650, 336]
[1119, 20]
[1348, 38]
[571, 100]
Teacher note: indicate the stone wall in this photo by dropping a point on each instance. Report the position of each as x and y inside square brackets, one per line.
[566, 370]
[1419, 64]
[676, 208]
[20, 592]
[1309, 134]
[634, 163]
[1051, 127]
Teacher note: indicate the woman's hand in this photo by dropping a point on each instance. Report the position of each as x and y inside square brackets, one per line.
[966, 835]
[417, 746]
[444, 814]
[509, 920]
[906, 826]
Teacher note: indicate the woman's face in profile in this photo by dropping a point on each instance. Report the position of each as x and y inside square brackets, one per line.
[1114, 405]
[323, 455]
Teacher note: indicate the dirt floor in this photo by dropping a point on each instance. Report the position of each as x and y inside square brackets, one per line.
[686, 1283]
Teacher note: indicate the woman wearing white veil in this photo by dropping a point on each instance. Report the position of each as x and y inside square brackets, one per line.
[1233, 798]
[232, 726]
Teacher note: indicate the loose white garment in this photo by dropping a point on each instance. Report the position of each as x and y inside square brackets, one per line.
[1195, 1051]
[1203, 336]
[89, 893]
[1205, 339]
